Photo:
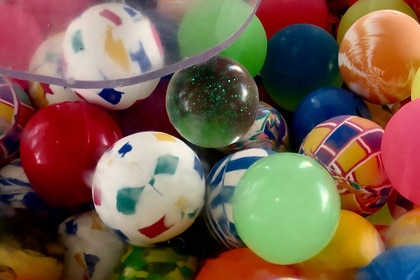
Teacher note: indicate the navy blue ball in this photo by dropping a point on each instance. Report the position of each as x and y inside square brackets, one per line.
[321, 105]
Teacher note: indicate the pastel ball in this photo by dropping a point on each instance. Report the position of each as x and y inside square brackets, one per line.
[112, 41]
[149, 187]
[379, 56]
[322, 104]
[212, 104]
[273, 202]
[220, 186]
[349, 147]
[92, 250]
[292, 70]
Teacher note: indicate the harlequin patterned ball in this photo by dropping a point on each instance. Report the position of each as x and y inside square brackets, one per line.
[149, 187]
[16, 190]
[47, 61]
[349, 148]
[220, 185]
[91, 249]
[269, 131]
[112, 41]
[155, 263]
[15, 111]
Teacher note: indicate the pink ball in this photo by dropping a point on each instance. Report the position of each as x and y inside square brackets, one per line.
[53, 16]
[20, 36]
[401, 151]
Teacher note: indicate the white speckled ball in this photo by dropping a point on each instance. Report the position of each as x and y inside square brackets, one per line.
[92, 250]
[47, 61]
[112, 41]
[149, 187]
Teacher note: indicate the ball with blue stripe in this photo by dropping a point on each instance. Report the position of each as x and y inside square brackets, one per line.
[220, 186]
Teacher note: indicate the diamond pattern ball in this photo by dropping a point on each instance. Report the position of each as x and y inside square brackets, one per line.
[349, 147]
[149, 187]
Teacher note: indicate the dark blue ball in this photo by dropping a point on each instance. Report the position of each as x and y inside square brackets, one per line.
[321, 105]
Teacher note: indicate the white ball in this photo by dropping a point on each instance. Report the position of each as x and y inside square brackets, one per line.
[92, 250]
[149, 187]
[112, 41]
[47, 61]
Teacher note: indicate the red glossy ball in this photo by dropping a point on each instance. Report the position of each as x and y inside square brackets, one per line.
[276, 14]
[60, 147]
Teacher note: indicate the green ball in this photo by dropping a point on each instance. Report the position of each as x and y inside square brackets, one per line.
[286, 208]
[213, 23]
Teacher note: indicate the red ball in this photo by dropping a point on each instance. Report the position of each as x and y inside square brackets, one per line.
[276, 14]
[148, 114]
[60, 147]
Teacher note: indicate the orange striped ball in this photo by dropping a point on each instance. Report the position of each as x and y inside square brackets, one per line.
[379, 56]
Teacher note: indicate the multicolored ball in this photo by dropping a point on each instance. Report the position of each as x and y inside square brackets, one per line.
[15, 111]
[47, 61]
[220, 185]
[269, 131]
[349, 147]
[149, 187]
[155, 263]
[92, 250]
[112, 41]
[379, 56]
[16, 190]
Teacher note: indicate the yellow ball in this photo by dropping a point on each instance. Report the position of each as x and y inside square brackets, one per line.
[28, 264]
[355, 243]
[405, 230]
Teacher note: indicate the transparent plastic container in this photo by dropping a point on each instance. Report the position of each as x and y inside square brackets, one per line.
[28, 25]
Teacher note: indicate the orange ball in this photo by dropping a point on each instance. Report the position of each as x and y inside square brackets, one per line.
[243, 264]
[405, 230]
[379, 56]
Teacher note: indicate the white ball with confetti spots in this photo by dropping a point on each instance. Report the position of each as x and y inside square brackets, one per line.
[149, 187]
[92, 250]
[112, 41]
[47, 61]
